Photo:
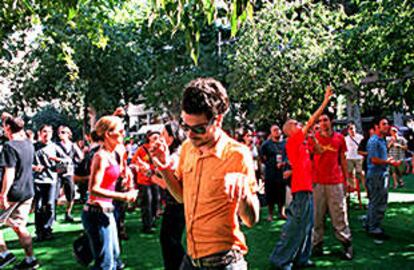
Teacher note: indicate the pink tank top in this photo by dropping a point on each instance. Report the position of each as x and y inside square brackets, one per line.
[111, 174]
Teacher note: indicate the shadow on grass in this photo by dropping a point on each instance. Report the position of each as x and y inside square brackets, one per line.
[143, 251]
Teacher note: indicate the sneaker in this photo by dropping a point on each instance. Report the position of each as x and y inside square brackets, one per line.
[48, 236]
[317, 250]
[10, 258]
[308, 264]
[348, 252]
[120, 266]
[39, 238]
[24, 265]
[69, 218]
[148, 231]
[380, 236]
[378, 241]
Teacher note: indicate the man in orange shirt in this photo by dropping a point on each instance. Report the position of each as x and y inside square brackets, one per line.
[215, 179]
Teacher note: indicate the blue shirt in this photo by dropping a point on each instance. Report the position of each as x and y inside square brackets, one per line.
[376, 147]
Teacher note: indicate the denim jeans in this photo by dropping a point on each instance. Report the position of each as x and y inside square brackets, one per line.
[295, 244]
[149, 205]
[377, 185]
[239, 265]
[102, 234]
[44, 208]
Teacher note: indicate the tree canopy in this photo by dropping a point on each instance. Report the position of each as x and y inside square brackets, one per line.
[276, 57]
[283, 60]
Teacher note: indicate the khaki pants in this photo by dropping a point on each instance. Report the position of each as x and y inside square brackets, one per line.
[332, 198]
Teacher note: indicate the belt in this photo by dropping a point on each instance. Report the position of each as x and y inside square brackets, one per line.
[218, 259]
[92, 208]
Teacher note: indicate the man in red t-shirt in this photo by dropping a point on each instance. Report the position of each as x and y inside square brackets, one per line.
[295, 242]
[329, 191]
[150, 191]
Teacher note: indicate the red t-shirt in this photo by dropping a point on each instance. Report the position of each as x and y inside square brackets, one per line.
[298, 154]
[327, 165]
[142, 178]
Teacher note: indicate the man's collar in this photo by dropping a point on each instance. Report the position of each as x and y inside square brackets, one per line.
[218, 149]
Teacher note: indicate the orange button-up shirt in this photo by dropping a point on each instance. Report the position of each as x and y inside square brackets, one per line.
[211, 219]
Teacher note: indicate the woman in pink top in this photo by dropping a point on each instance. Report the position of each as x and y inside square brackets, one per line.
[97, 217]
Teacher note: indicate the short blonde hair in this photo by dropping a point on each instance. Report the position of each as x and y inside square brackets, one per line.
[105, 124]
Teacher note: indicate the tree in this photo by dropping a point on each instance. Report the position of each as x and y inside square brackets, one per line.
[54, 117]
[283, 61]
[376, 55]
[128, 59]
[274, 70]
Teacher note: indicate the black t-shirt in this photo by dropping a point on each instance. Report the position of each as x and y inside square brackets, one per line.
[363, 148]
[269, 150]
[18, 154]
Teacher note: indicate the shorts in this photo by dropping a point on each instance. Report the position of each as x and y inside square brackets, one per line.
[19, 216]
[354, 164]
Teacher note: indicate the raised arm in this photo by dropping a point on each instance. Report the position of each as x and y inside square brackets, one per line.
[318, 112]
[164, 164]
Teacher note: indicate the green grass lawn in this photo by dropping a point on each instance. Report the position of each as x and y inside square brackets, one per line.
[143, 251]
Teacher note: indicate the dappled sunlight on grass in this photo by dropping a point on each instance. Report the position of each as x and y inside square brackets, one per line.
[143, 251]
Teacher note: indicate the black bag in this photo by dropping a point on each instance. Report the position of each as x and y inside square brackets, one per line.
[82, 250]
[62, 167]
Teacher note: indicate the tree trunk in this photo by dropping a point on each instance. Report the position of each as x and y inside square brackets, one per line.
[354, 112]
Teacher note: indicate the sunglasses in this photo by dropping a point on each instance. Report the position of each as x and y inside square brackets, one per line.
[197, 129]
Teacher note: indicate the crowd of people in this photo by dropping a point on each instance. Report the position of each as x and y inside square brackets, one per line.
[202, 181]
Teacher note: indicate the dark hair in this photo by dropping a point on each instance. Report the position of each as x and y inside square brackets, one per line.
[205, 96]
[152, 132]
[350, 124]
[149, 134]
[44, 126]
[243, 133]
[376, 121]
[174, 130]
[328, 113]
[16, 124]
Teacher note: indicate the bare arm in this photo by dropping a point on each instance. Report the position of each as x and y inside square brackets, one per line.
[249, 210]
[344, 165]
[378, 161]
[8, 179]
[363, 153]
[173, 184]
[390, 143]
[97, 174]
[318, 112]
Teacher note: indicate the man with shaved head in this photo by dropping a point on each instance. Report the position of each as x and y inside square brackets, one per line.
[294, 247]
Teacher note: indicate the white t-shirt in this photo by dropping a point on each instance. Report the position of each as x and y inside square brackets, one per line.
[352, 146]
